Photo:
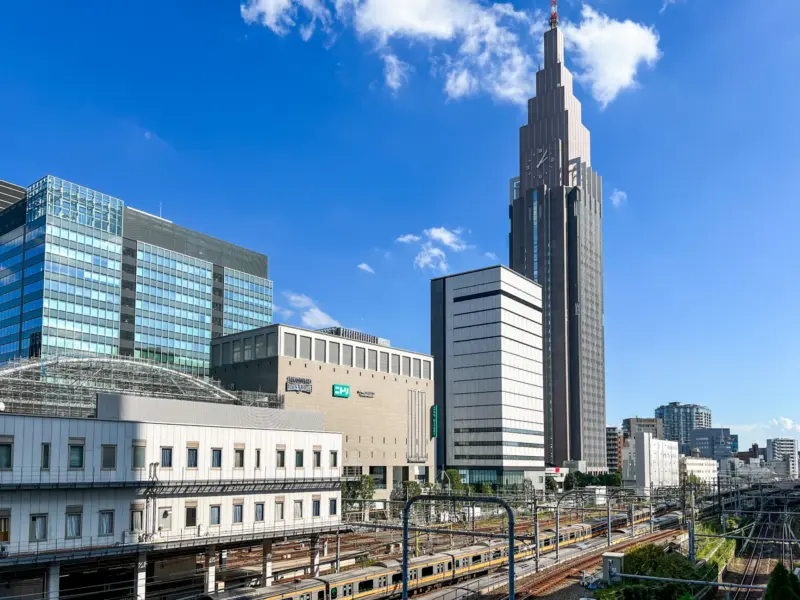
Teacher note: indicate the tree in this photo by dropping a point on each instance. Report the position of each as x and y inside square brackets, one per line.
[782, 585]
[485, 488]
[354, 492]
[550, 484]
[569, 481]
[455, 479]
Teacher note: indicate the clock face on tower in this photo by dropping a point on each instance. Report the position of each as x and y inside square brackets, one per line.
[545, 165]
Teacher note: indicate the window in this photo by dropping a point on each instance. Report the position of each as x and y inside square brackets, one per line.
[289, 345]
[279, 510]
[165, 518]
[238, 513]
[333, 353]
[4, 519]
[319, 350]
[74, 522]
[334, 462]
[305, 347]
[272, 344]
[106, 522]
[347, 355]
[215, 513]
[426, 369]
[38, 532]
[258, 458]
[298, 509]
[138, 457]
[166, 457]
[417, 367]
[238, 458]
[191, 516]
[45, 456]
[136, 519]
[108, 457]
[76, 456]
[298, 458]
[384, 364]
[216, 458]
[372, 360]
[406, 365]
[248, 348]
[361, 358]
[237, 351]
[259, 511]
[317, 459]
[6, 453]
[261, 349]
[396, 364]
[332, 507]
[280, 458]
[315, 508]
[191, 458]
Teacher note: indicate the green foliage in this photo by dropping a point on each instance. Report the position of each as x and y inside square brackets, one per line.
[782, 585]
[550, 484]
[455, 479]
[354, 491]
[485, 488]
[576, 479]
[651, 560]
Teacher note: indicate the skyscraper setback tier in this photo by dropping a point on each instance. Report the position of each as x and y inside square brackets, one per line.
[556, 239]
[83, 274]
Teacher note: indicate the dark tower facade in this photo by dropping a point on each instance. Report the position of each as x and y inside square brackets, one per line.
[556, 216]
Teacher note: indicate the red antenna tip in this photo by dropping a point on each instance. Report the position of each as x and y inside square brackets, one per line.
[554, 14]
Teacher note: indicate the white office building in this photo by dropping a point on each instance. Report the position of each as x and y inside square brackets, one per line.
[779, 449]
[703, 469]
[486, 339]
[650, 463]
[152, 475]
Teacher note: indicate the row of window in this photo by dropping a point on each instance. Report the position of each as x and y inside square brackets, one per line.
[76, 309]
[76, 290]
[172, 260]
[173, 327]
[77, 327]
[161, 277]
[84, 240]
[245, 299]
[81, 345]
[80, 273]
[250, 283]
[158, 292]
[86, 257]
[172, 311]
[108, 456]
[164, 342]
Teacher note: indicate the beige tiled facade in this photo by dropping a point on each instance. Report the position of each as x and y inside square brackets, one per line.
[385, 421]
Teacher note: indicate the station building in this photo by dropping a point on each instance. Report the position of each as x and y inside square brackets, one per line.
[379, 397]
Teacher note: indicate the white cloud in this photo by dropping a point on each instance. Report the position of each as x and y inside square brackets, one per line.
[618, 198]
[283, 313]
[408, 238]
[491, 255]
[667, 4]
[314, 318]
[431, 257]
[366, 268]
[447, 237]
[609, 53]
[298, 300]
[148, 135]
[395, 71]
[478, 46]
[786, 423]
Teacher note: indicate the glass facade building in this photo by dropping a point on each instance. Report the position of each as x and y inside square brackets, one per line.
[82, 274]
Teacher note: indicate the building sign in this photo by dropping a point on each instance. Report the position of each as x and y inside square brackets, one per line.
[298, 384]
[341, 391]
[434, 421]
[366, 394]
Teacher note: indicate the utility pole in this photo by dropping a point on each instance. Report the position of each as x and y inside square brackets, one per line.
[536, 530]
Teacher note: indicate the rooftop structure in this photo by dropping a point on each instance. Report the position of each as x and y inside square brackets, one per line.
[68, 386]
[352, 334]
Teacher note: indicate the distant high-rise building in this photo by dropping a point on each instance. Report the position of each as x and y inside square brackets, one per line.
[613, 449]
[714, 442]
[779, 449]
[649, 464]
[10, 194]
[83, 274]
[633, 425]
[486, 340]
[556, 211]
[680, 419]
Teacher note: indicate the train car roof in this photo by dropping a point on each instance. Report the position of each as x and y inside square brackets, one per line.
[353, 575]
[274, 591]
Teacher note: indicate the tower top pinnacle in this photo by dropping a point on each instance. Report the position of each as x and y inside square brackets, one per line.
[554, 14]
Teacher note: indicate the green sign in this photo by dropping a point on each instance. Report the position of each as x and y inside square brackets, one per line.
[434, 421]
[341, 391]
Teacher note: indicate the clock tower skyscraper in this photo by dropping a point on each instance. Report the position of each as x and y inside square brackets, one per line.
[556, 213]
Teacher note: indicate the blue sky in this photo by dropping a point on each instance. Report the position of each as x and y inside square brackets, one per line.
[320, 131]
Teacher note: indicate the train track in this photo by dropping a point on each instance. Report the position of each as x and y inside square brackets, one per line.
[554, 577]
[761, 551]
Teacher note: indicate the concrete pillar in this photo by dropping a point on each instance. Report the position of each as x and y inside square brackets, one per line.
[314, 551]
[53, 575]
[140, 577]
[223, 559]
[210, 573]
[266, 564]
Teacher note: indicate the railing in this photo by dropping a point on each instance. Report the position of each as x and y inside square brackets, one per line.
[89, 477]
[127, 542]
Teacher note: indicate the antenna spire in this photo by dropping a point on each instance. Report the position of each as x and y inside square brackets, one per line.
[554, 14]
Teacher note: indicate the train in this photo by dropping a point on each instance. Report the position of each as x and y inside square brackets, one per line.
[444, 568]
